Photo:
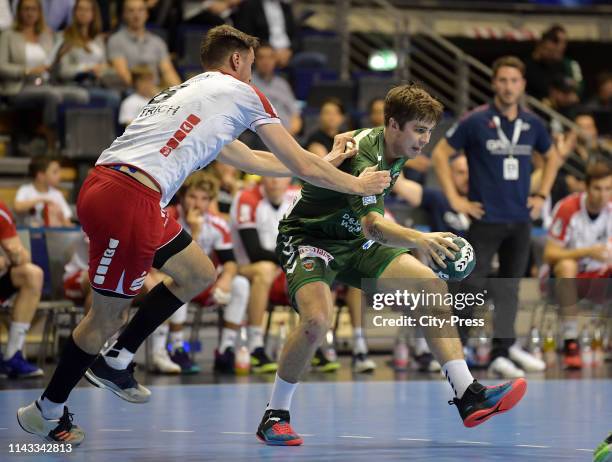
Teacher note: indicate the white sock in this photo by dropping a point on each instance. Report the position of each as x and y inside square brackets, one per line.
[228, 339]
[176, 339]
[570, 329]
[420, 346]
[255, 336]
[121, 361]
[239, 299]
[160, 337]
[49, 409]
[458, 375]
[359, 343]
[180, 315]
[16, 338]
[282, 392]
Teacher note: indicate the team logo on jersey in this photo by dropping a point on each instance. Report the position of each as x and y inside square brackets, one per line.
[307, 251]
[368, 244]
[308, 264]
[138, 282]
[191, 121]
[367, 200]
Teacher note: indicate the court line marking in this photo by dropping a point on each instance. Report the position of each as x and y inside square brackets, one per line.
[356, 436]
[236, 433]
[115, 430]
[307, 434]
[177, 431]
[531, 446]
[414, 439]
[473, 442]
[586, 450]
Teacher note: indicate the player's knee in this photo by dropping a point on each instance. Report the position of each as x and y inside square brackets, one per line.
[108, 321]
[33, 277]
[315, 323]
[566, 268]
[264, 273]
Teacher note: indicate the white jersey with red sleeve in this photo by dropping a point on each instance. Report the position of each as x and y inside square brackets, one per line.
[251, 209]
[214, 234]
[183, 128]
[573, 228]
[7, 223]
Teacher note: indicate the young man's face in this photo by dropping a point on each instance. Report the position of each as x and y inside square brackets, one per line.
[409, 141]
[244, 64]
[196, 199]
[588, 128]
[135, 14]
[509, 85]
[599, 193]
[460, 174]
[265, 61]
[53, 174]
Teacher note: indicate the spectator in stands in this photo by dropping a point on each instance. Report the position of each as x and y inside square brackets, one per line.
[603, 100]
[209, 13]
[6, 15]
[56, 12]
[562, 96]
[579, 246]
[276, 88]
[76, 276]
[254, 219]
[442, 217]
[40, 201]
[25, 60]
[499, 140]
[145, 89]
[82, 54]
[272, 22]
[18, 275]
[331, 119]
[376, 112]
[548, 62]
[229, 185]
[133, 46]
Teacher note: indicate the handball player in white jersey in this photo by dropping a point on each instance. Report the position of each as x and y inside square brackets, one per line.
[120, 206]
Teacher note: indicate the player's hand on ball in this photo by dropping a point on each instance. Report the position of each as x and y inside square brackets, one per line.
[344, 147]
[436, 247]
[374, 181]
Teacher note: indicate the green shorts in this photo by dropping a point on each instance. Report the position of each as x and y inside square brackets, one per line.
[305, 260]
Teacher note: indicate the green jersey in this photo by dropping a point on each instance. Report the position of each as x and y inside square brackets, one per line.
[325, 214]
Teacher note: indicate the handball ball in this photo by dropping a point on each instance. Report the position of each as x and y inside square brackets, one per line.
[462, 266]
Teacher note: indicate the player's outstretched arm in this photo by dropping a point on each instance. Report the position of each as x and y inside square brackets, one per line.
[386, 232]
[317, 171]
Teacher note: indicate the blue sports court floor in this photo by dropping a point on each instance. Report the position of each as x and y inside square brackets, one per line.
[340, 421]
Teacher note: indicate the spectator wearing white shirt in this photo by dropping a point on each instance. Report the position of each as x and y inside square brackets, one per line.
[40, 202]
[143, 80]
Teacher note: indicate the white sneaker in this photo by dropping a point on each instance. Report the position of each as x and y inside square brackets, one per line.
[163, 364]
[505, 368]
[60, 430]
[526, 360]
[362, 364]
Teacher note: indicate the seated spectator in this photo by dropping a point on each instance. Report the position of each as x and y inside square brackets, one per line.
[276, 89]
[548, 62]
[255, 215]
[6, 15]
[272, 22]
[56, 12]
[17, 276]
[82, 54]
[603, 99]
[209, 12]
[145, 89]
[376, 113]
[213, 235]
[229, 185]
[40, 201]
[76, 277]
[442, 217]
[331, 119]
[563, 98]
[579, 246]
[25, 60]
[133, 46]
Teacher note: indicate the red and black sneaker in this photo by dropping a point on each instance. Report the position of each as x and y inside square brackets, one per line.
[479, 403]
[572, 359]
[275, 429]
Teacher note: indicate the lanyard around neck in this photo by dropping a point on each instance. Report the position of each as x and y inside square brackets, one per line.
[518, 125]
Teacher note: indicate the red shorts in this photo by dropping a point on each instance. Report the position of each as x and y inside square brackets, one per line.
[279, 295]
[72, 287]
[126, 227]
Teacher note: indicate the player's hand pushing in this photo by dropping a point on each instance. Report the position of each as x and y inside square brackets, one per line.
[373, 181]
[344, 148]
[436, 247]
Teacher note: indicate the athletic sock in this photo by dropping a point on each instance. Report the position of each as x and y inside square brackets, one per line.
[49, 409]
[458, 375]
[160, 338]
[282, 393]
[359, 344]
[16, 338]
[420, 346]
[72, 365]
[155, 307]
[118, 359]
[255, 337]
[228, 339]
[176, 339]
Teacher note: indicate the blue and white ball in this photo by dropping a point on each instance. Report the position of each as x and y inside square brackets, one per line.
[462, 266]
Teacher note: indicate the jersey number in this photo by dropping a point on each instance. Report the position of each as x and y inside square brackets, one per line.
[167, 93]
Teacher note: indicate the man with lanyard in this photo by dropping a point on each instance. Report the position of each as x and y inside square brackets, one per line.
[499, 139]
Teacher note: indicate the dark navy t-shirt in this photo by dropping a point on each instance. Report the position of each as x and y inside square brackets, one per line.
[504, 201]
[441, 216]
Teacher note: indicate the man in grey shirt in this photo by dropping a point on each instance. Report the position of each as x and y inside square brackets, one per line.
[276, 89]
[133, 45]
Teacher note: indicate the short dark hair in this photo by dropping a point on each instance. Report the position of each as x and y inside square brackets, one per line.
[552, 33]
[202, 180]
[411, 102]
[40, 164]
[597, 171]
[221, 41]
[141, 73]
[336, 102]
[508, 61]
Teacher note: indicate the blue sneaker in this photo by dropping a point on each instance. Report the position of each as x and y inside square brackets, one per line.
[120, 382]
[181, 357]
[17, 367]
[479, 403]
[275, 429]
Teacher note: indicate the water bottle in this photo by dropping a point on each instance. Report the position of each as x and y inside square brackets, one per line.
[586, 350]
[483, 348]
[242, 363]
[401, 355]
[597, 346]
[549, 347]
[328, 347]
[535, 341]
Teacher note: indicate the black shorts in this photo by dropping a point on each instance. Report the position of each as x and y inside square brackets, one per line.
[7, 289]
